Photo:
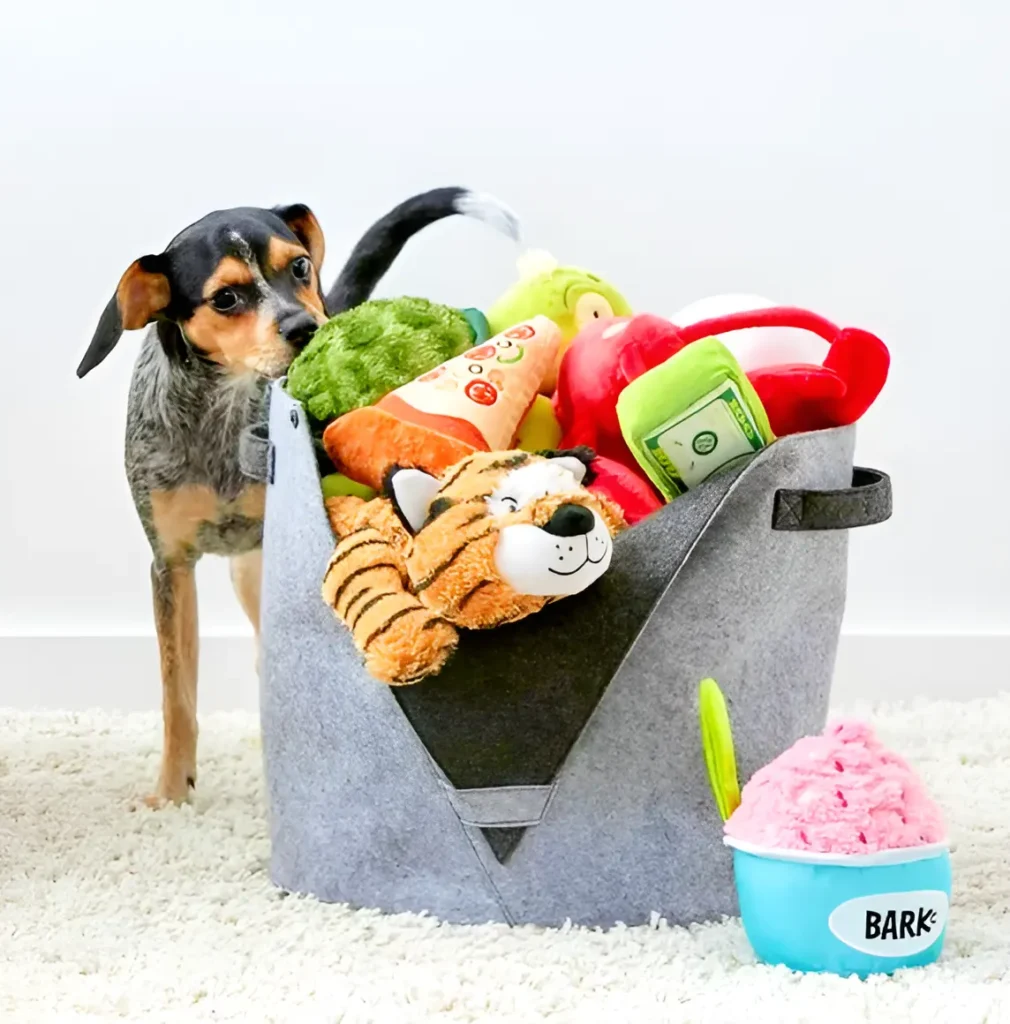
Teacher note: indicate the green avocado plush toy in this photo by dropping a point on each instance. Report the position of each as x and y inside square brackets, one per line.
[570, 296]
[362, 354]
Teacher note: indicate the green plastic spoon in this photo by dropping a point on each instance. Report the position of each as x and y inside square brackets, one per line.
[717, 742]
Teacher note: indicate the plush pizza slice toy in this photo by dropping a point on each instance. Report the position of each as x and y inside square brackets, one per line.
[474, 402]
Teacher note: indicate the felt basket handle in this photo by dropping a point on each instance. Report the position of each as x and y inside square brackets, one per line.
[256, 453]
[776, 316]
[866, 502]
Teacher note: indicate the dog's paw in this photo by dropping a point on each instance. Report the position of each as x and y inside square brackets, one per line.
[170, 793]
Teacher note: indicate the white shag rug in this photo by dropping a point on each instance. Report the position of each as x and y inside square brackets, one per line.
[108, 912]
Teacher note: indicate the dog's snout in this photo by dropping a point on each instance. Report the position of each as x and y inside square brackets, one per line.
[298, 328]
[570, 521]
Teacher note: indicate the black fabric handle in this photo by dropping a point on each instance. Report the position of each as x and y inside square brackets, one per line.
[866, 502]
[256, 453]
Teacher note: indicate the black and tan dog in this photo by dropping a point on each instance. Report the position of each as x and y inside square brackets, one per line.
[231, 301]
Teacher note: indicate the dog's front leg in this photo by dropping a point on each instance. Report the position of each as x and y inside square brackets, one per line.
[175, 616]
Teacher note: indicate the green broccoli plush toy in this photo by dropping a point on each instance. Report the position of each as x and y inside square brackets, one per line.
[362, 354]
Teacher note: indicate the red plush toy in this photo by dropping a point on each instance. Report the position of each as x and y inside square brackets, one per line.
[631, 492]
[804, 396]
[601, 361]
[609, 354]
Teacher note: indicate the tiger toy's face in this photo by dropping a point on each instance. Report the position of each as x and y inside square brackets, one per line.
[494, 539]
[501, 534]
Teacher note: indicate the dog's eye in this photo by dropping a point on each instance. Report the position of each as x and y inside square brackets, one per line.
[511, 504]
[224, 300]
[302, 268]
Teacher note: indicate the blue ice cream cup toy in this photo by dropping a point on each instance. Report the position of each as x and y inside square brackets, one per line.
[844, 914]
[862, 915]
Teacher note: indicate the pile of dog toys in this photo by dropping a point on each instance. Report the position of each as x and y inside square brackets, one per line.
[632, 410]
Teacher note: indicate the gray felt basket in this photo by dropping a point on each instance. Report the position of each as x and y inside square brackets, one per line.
[553, 771]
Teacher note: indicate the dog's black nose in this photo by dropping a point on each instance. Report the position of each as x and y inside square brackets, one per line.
[571, 521]
[298, 328]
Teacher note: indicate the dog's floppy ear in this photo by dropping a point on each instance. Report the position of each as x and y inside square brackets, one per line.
[143, 292]
[303, 223]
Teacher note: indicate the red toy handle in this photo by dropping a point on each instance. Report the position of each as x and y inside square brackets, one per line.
[776, 316]
[661, 345]
[801, 398]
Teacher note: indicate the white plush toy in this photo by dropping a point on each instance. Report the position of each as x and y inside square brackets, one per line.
[756, 348]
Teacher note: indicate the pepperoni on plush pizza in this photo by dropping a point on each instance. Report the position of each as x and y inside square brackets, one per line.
[520, 333]
[481, 392]
[484, 352]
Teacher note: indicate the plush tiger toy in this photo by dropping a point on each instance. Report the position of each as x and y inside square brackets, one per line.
[496, 538]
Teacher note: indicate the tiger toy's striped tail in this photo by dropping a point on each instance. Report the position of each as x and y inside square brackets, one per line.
[365, 585]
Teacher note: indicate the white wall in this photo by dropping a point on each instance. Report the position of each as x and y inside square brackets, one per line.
[851, 157]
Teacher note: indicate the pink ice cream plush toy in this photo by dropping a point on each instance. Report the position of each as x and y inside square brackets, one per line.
[840, 856]
[841, 792]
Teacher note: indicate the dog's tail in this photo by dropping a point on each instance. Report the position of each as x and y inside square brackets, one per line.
[383, 241]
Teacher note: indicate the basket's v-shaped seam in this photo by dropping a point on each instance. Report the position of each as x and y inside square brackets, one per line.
[730, 491]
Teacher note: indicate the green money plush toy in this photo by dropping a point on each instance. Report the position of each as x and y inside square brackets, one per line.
[692, 416]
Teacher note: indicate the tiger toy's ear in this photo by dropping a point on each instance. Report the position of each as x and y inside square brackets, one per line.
[578, 460]
[411, 491]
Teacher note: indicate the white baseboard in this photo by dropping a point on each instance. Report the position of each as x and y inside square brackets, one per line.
[75, 673]
[943, 666]
[121, 672]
